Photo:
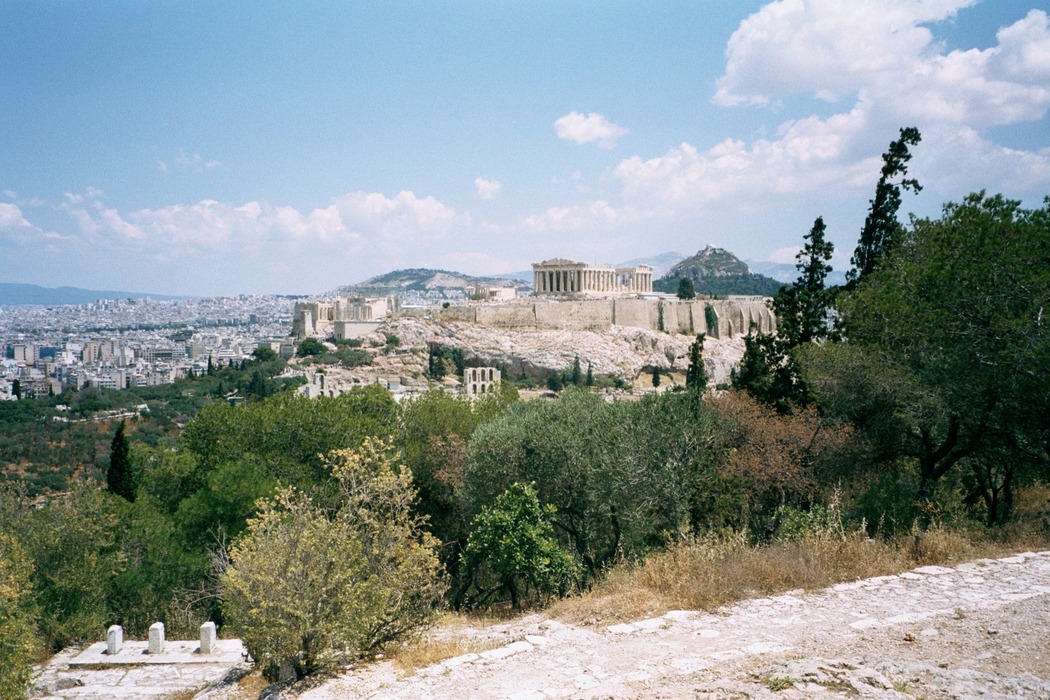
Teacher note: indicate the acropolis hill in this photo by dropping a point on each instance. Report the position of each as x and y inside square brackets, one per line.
[607, 317]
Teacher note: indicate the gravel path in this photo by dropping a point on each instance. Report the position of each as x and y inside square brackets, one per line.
[981, 629]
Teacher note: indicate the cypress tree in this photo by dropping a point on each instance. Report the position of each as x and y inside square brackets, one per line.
[120, 478]
[696, 375]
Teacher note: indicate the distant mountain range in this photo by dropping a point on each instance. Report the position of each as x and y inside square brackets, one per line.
[787, 272]
[421, 279]
[12, 294]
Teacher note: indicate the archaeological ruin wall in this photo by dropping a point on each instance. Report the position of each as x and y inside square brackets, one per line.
[728, 317]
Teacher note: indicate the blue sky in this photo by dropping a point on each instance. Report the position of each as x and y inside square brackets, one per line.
[227, 147]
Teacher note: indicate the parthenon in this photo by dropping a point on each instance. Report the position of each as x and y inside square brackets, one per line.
[559, 276]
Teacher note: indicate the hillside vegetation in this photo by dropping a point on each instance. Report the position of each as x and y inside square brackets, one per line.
[905, 415]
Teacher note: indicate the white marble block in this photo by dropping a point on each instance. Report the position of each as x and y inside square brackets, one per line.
[156, 638]
[208, 637]
[114, 639]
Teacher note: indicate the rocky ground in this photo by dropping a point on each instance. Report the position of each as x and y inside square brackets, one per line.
[619, 351]
[977, 630]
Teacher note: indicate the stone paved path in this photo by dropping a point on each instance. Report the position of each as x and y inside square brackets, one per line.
[979, 629]
[88, 674]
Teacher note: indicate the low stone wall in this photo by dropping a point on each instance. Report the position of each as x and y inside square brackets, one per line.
[732, 317]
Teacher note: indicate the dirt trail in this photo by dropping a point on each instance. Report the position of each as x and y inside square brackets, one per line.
[979, 629]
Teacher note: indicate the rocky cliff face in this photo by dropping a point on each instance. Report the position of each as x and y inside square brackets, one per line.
[622, 352]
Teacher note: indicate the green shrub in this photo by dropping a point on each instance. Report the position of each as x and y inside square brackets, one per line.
[16, 620]
[308, 587]
[514, 540]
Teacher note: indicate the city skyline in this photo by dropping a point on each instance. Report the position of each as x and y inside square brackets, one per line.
[216, 148]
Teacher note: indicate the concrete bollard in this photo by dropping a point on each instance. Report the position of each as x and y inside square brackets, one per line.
[114, 639]
[208, 637]
[156, 638]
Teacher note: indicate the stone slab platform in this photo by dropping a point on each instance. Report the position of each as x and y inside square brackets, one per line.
[227, 651]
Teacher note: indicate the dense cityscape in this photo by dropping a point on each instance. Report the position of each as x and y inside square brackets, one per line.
[120, 343]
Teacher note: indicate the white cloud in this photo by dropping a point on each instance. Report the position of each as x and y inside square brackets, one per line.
[589, 128]
[189, 162]
[880, 53]
[11, 217]
[401, 218]
[16, 228]
[809, 154]
[591, 215]
[827, 47]
[487, 189]
[877, 54]
[351, 221]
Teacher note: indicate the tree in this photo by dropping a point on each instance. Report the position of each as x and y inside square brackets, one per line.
[656, 376]
[514, 540]
[696, 374]
[261, 354]
[590, 375]
[686, 289]
[802, 308]
[956, 318]
[121, 478]
[769, 373]
[769, 370]
[16, 388]
[881, 227]
[307, 587]
[575, 376]
[310, 347]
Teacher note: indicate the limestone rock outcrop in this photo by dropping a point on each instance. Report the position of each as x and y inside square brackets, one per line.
[617, 351]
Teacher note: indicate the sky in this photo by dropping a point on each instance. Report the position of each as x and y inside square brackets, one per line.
[217, 148]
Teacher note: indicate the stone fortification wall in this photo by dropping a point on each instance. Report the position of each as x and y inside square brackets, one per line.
[733, 316]
[636, 313]
[507, 316]
[590, 315]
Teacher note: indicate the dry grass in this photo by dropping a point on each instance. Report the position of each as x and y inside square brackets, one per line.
[707, 572]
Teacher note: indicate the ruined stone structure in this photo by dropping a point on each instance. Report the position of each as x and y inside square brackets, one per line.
[484, 292]
[480, 380]
[558, 276]
[343, 317]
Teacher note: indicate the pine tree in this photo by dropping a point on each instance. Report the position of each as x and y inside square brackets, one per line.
[656, 376]
[120, 477]
[575, 377]
[696, 374]
[590, 375]
[881, 227]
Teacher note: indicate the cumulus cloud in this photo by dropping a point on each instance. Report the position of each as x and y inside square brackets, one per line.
[881, 53]
[403, 217]
[487, 189]
[595, 214]
[16, 228]
[878, 57]
[351, 221]
[590, 128]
